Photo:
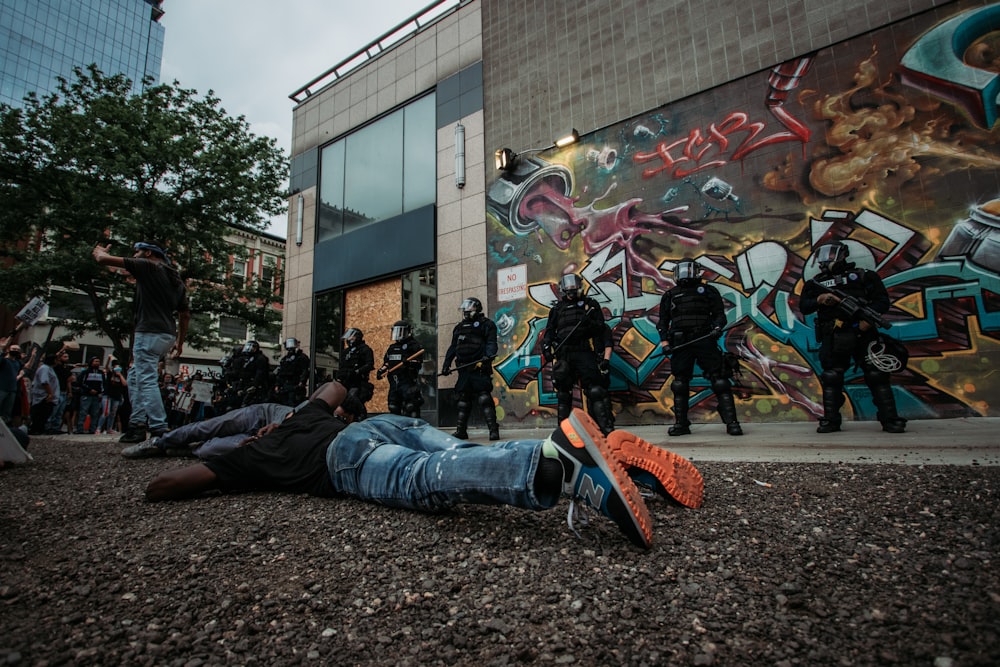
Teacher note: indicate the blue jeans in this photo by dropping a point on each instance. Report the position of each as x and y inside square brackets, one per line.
[89, 405]
[143, 382]
[225, 432]
[109, 412]
[54, 422]
[405, 462]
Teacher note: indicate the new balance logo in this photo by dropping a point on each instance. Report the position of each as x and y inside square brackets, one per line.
[590, 491]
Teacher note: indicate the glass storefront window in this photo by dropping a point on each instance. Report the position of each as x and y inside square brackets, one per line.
[380, 171]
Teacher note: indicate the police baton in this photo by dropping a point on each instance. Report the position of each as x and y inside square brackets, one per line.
[710, 334]
[471, 363]
[400, 364]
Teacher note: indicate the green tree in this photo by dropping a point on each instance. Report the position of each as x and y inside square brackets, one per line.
[93, 163]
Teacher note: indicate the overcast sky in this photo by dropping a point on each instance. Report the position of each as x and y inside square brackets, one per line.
[254, 53]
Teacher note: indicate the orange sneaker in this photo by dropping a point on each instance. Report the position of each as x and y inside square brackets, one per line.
[666, 473]
[592, 473]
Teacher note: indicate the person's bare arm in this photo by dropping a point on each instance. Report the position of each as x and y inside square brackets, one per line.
[181, 483]
[183, 318]
[105, 258]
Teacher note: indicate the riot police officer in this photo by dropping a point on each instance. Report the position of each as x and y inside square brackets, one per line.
[292, 375]
[691, 321]
[357, 361]
[402, 362]
[577, 341]
[473, 348]
[844, 335]
[254, 374]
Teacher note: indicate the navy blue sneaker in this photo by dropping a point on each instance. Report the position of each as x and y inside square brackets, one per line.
[594, 475]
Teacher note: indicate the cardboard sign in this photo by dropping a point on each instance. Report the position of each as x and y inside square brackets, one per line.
[201, 391]
[10, 449]
[32, 312]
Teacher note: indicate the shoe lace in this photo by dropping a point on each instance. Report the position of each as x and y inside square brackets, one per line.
[577, 511]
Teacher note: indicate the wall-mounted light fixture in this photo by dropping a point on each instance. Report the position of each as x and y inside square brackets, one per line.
[506, 159]
[299, 217]
[459, 156]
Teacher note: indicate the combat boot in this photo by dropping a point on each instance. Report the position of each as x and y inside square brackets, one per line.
[727, 411]
[461, 430]
[832, 399]
[885, 401]
[681, 424]
[490, 416]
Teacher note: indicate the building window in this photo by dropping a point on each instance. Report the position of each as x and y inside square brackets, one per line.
[269, 272]
[232, 328]
[380, 171]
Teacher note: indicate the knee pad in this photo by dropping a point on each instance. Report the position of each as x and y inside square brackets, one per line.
[832, 378]
[485, 400]
[597, 393]
[679, 386]
[462, 404]
[564, 397]
[721, 386]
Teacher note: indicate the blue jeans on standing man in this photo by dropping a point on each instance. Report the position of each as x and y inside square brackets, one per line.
[90, 406]
[143, 381]
[405, 462]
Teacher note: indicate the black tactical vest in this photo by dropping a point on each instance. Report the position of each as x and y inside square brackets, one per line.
[690, 308]
[471, 341]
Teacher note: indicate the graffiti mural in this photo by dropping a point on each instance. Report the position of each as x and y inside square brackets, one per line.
[879, 142]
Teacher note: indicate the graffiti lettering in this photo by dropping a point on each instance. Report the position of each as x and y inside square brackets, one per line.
[706, 150]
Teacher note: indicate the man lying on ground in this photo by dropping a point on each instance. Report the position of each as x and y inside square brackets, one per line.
[405, 462]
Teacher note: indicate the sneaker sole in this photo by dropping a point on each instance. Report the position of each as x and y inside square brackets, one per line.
[679, 477]
[633, 518]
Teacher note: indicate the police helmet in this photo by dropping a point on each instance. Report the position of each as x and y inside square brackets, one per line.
[352, 335]
[829, 255]
[686, 269]
[291, 343]
[401, 330]
[250, 346]
[570, 285]
[471, 307]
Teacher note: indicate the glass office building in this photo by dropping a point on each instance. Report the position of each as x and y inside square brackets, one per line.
[41, 40]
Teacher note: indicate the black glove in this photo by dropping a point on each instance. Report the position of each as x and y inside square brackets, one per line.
[446, 371]
[380, 373]
[604, 366]
[717, 332]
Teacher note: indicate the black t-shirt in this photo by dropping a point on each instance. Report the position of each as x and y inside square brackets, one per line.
[158, 295]
[291, 458]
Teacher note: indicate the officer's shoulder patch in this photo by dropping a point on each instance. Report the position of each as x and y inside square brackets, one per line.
[701, 289]
[853, 275]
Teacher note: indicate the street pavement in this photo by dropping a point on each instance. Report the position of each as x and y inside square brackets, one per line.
[964, 441]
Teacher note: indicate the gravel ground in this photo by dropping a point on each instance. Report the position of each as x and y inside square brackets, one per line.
[832, 565]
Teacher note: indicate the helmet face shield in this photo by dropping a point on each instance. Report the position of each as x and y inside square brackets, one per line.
[250, 346]
[570, 285]
[351, 334]
[400, 331]
[686, 270]
[291, 343]
[471, 307]
[829, 254]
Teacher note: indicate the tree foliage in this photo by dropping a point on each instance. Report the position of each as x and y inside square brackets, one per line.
[93, 163]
